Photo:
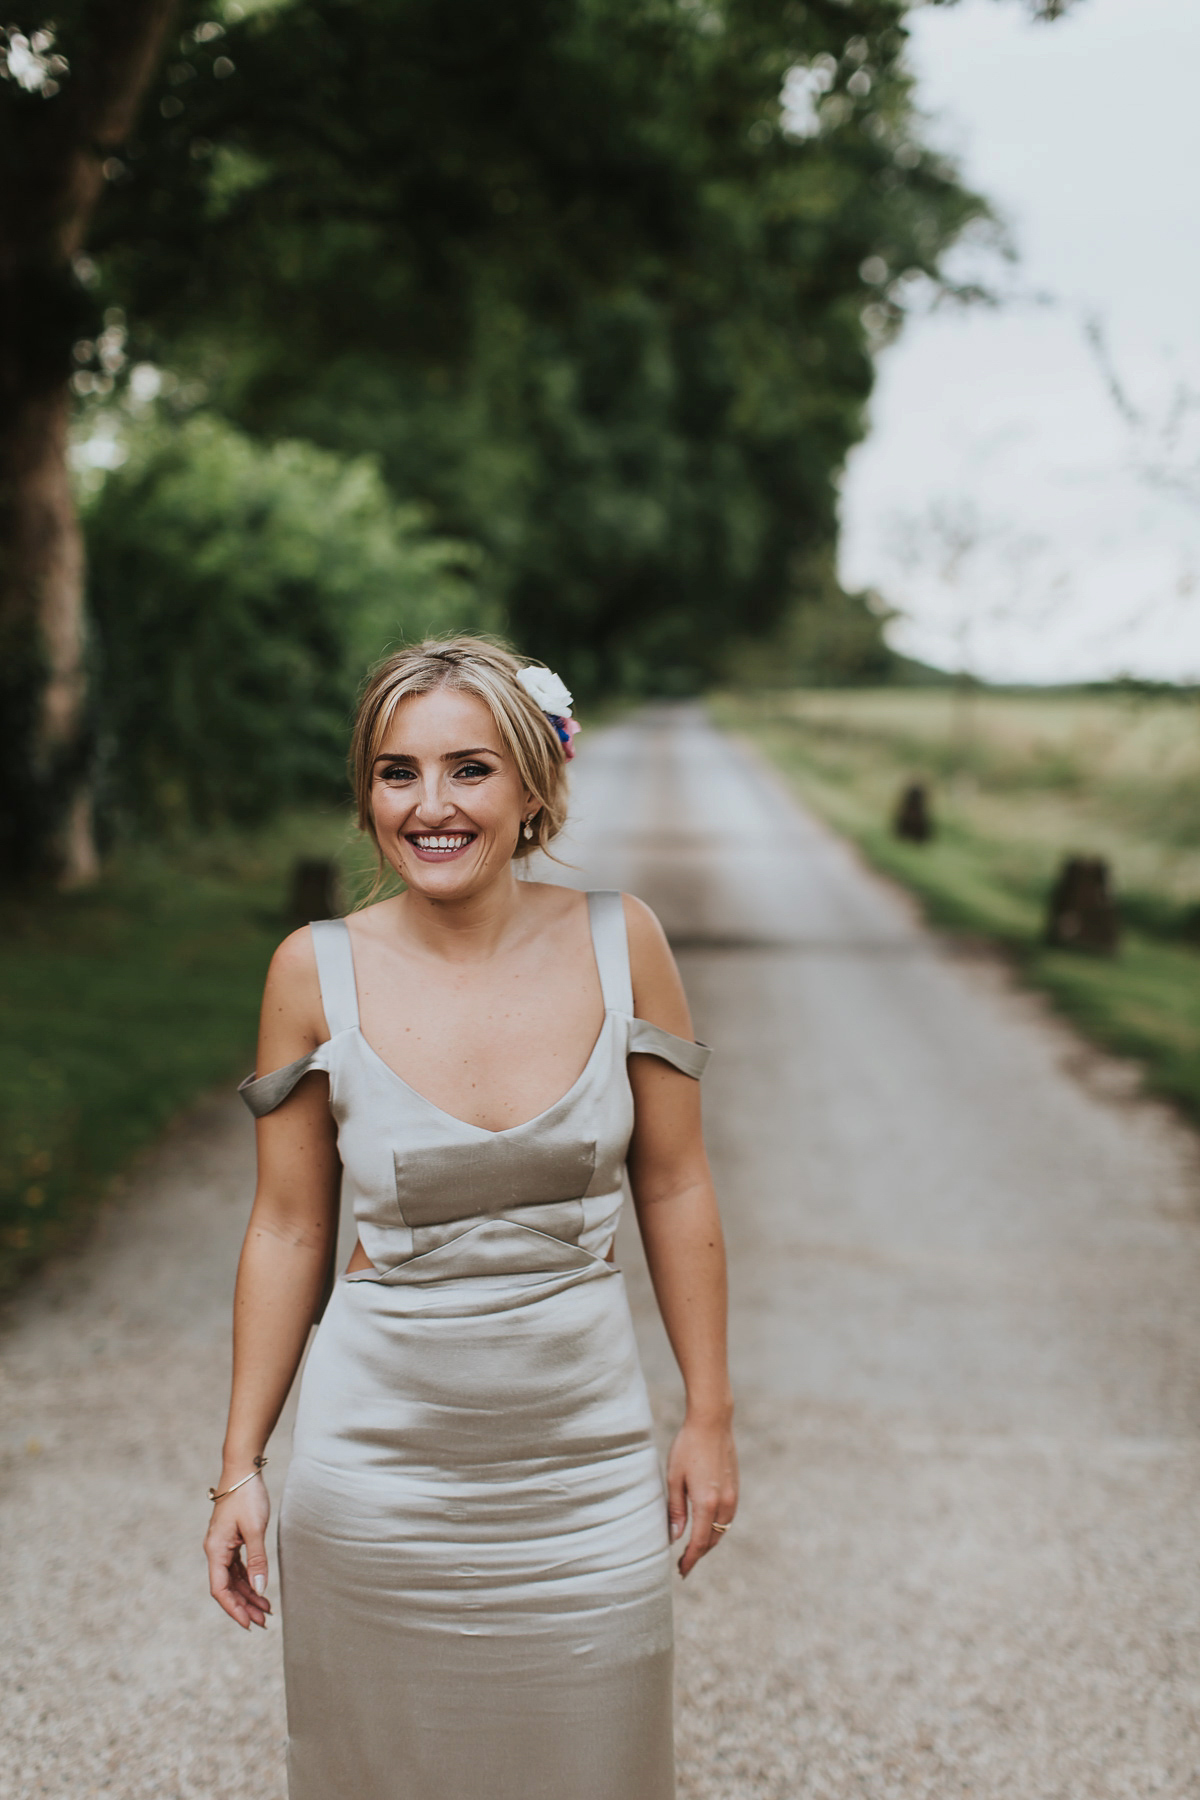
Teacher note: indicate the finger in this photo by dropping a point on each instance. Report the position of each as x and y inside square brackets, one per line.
[677, 1511]
[224, 1591]
[702, 1537]
[258, 1604]
[240, 1581]
[726, 1510]
[228, 1581]
[256, 1561]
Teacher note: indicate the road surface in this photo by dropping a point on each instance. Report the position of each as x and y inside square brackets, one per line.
[965, 1264]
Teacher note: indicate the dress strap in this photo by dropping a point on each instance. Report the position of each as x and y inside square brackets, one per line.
[335, 971]
[263, 1093]
[646, 1039]
[607, 915]
[339, 998]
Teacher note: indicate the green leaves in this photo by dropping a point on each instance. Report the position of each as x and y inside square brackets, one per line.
[239, 593]
[563, 267]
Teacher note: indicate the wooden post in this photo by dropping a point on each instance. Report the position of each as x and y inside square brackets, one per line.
[913, 821]
[1082, 914]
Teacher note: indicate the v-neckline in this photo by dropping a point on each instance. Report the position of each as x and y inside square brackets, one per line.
[505, 1130]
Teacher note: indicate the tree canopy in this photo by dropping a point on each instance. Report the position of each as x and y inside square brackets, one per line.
[596, 284]
[571, 268]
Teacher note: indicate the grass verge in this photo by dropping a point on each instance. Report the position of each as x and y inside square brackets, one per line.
[1005, 818]
[122, 1003]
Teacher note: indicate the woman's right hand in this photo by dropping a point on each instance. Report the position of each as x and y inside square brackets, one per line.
[239, 1523]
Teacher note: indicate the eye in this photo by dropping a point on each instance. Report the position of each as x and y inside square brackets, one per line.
[471, 771]
[395, 772]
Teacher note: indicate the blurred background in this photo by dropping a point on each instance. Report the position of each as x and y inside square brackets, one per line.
[835, 361]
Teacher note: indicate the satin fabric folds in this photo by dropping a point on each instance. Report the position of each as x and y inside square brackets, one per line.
[473, 1543]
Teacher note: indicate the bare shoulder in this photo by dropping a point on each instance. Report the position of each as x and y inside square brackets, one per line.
[553, 895]
[647, 939]
[657, 989]
[548, 903]
[294, 965]
[380, 920]
[292, 1015]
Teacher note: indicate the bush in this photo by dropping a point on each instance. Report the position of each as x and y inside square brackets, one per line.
[239, 591]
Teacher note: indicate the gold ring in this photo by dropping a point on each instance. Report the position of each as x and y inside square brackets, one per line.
[717, 1527]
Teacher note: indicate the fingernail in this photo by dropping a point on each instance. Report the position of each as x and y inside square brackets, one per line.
[259, 1584]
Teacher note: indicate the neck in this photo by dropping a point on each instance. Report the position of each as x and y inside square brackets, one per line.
[469, 929]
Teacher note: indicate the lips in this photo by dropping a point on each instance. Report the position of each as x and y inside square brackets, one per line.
[437, 846]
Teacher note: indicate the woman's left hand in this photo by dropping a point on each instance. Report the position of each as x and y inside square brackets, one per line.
[702, 1477]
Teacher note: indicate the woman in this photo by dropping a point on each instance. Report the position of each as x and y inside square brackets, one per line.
[474, 1539]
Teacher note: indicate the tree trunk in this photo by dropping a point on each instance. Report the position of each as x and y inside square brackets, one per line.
[45, 638]
[59, 146]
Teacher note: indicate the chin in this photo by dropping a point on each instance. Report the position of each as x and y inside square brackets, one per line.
[445, 878]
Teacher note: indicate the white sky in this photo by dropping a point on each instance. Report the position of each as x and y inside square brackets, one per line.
[998, 498]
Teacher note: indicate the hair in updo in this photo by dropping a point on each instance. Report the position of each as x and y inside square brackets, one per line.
[471, 665]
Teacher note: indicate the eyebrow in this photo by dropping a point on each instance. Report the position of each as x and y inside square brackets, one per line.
[450, 756]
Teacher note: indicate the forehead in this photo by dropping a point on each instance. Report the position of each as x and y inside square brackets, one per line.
[445, 720]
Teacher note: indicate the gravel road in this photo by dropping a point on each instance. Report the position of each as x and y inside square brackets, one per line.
[966, 1315]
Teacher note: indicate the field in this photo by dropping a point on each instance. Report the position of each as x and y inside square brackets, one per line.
[1017, 781]
[122, 1003]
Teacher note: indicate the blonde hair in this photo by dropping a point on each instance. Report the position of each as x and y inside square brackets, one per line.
[470, 665]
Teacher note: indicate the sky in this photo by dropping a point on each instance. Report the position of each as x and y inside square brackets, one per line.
[1028, 525]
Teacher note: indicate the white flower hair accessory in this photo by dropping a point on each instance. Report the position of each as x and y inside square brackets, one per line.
[548, 689]
[550, 692]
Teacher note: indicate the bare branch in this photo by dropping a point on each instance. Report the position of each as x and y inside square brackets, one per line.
[1159, 450]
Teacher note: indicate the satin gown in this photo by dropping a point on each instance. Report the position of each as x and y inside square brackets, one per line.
[472, 1540]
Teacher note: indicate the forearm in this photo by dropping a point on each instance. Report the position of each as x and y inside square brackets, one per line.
[685, 1252]
[279, 1283]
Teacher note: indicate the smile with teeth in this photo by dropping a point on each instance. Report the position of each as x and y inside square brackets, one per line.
[441, 843]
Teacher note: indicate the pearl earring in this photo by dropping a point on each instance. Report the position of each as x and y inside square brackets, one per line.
[528, 831]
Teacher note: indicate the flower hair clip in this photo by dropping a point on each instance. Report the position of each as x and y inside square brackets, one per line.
[547, 690]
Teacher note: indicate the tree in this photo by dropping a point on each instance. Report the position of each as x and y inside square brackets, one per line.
[562, 265]
[1164, 439]
[68, 103]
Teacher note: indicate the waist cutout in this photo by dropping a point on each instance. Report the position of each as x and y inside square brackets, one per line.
[543, 1238]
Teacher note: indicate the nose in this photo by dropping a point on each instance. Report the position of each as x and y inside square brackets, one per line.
[433, 806]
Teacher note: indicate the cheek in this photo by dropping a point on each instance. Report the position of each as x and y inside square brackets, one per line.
[498, 810]
[389, 806]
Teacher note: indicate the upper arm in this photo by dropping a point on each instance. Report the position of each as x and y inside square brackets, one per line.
[657, 989]
[298, 1166]
[666, 1153]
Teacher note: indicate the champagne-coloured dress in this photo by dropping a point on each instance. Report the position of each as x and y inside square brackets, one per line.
[473, 1540]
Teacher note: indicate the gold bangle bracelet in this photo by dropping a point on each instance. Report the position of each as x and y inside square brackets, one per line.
[260, 1463]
